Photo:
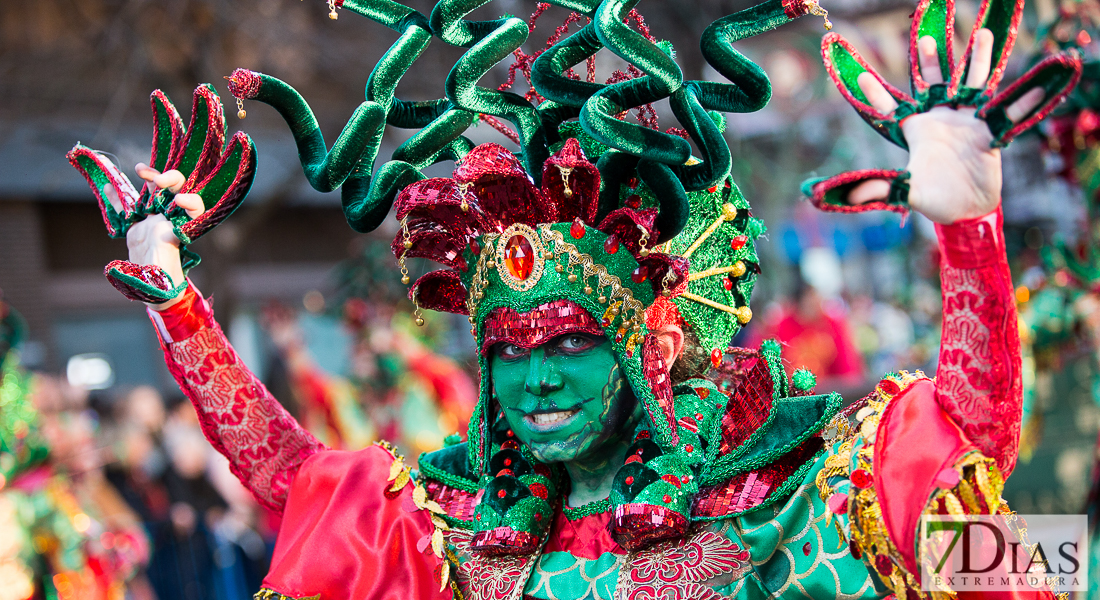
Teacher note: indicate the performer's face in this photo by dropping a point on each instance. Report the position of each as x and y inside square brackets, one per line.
[565, 399]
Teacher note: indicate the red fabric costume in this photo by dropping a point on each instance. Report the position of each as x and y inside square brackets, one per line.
[347, 533]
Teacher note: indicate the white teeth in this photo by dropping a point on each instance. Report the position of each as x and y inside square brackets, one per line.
[549, 418]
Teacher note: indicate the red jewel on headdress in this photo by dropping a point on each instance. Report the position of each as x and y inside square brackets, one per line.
[507, 462]
[475, 248]
[689, 448]
[727, 283]
[519, 257]
[716, 357]
[685, 478]
[611, 245]
[888, 386]
[633, 201]
[698, 416]
[632, 182]
[712, 189]
[577, 229]
[640, 274]
[739, 242]
[629, 480]
[501, 493]
[702, 392]
[667, 499]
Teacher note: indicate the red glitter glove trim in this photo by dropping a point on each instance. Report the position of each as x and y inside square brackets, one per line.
[973, 243]
[183, 319]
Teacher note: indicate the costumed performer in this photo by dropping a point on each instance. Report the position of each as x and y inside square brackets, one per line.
[601, 461]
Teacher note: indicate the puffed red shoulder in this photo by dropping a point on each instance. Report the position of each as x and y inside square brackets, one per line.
[344, 537]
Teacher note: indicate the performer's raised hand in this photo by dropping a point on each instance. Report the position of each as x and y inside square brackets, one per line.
[194, 181]
[954, 124]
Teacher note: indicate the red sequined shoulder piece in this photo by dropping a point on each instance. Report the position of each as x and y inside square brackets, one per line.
[748, 376]
[748, 490]
[458, 504]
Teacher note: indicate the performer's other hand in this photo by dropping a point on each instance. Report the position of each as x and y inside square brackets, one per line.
[955, 174]
[152, 241]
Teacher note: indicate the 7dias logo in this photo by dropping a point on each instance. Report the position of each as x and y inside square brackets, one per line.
[1020, 553]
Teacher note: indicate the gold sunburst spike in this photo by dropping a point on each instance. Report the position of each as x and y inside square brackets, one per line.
[729, 213]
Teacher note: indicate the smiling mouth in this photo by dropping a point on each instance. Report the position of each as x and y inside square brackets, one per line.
[549, 421]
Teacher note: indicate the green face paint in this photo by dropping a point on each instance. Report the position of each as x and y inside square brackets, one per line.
[566, 399]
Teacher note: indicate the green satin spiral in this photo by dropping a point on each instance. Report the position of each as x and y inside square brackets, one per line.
[658, 158]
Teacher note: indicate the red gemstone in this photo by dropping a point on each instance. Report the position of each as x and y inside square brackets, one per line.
[689, 448]
[501, 493]
[640, 274]
[632, 182]
[519, 257]
[475, 248]
[888, 386]
[605, 322]
[509, 433]
[861, 479]
[712, 189]
[633, 201]
[838, 504]
[698, 416]
[702, 392]
[884, 565]
[577, 229]
[739, 242]
[685, 478]
[667, 499]
[618, 337]
[611, 245]
[716, 357]
[630, 480]
[727, 283]
[507, 462]
[806, 548]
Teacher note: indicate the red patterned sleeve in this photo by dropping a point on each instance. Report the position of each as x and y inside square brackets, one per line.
[264, 444]
[978, 381]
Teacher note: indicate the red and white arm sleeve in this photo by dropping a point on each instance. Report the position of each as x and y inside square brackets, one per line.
[264, 444]
[978, 381]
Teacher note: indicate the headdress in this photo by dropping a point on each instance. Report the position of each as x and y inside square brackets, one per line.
[597, 224]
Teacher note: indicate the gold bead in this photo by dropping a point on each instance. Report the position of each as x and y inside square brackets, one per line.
[419, 322]
[567, 192]
[559, 268]
[471, 319]
[729, 211]
[587, 290]
[602, 299]
[738, 269]
[615, 311]
[241, 114]
[491, 264]
[408, 244]
[637, 329]
[480, 295]
[572, 278]
[547, 255]
[744, 315]
[405, 279]
[465, 206]
[332, 15]
[643, 252]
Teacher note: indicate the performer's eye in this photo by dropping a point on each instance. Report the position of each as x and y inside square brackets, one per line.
[576, 342]
[510, 351]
